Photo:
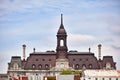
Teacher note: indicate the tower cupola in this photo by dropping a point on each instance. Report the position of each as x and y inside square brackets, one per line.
[61, 41]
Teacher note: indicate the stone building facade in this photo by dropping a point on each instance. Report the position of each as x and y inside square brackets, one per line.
[50, 63]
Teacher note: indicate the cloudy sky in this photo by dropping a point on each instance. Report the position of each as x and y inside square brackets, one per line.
[36, 22]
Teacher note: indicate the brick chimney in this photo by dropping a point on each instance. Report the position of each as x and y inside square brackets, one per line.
[99, 51]
[24, 50]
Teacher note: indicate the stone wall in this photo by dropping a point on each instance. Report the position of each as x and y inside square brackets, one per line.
[65, 77]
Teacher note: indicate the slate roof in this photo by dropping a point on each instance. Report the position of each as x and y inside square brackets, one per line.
[87, 59]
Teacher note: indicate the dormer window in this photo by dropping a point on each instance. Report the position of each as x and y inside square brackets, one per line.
[90, 66]
[77, 66]
[108, 65]
[49, 59]
[15, 66]
[43, 59]
[36, 59]
[46, 66]
[33, 66]
[73, 59]
[80, 59]
[39, 66]
[83, 66]
[86, 59]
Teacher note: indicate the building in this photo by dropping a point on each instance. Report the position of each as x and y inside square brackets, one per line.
[101, 75]
[3, 77]
[50, 63]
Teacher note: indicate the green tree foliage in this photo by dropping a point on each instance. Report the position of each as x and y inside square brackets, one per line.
[51, 79]
[66, 72]
[78, 72]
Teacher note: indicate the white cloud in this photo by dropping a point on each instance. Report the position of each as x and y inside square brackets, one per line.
[88, 22]
[81, 39]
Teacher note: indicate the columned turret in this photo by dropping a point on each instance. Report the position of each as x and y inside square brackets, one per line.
[61, 41]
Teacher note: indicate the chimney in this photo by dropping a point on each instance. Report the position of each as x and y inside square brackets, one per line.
[99, 51]
[24, 49]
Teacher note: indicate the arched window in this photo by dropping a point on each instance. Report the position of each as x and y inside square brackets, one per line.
[77, 66]
[61, 43]
[15, 66]
[33, 66]
[83, 66]
[46, 66]
[108, 65]
[90, 66]
[39, 66]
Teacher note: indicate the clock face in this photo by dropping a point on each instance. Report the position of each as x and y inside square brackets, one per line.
[61, 65]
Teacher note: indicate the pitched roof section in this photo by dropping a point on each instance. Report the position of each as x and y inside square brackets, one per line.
[61, 29]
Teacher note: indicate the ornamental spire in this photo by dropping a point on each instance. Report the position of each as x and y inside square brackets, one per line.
[61, 18]
[61, 25]
[61, 28]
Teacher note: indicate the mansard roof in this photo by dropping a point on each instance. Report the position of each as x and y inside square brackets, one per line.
[109, 59]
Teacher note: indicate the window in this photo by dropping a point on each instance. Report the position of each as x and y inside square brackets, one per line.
[49, 59]
[43, 59]
[83, 66]
[31, 78]
[46, 66]
[90, 66]
[36, 59]
[108, 65]
[73, 59]
[61, 43]
[39, 66]
[86, 59]
[15, 66]
[80, 59]
[33, 66]
[77, 66]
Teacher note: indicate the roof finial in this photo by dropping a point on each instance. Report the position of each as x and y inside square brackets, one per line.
[89, 49]
[61, 18]
[34, 50]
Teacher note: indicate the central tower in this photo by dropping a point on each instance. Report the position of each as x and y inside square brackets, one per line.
[61, 41]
